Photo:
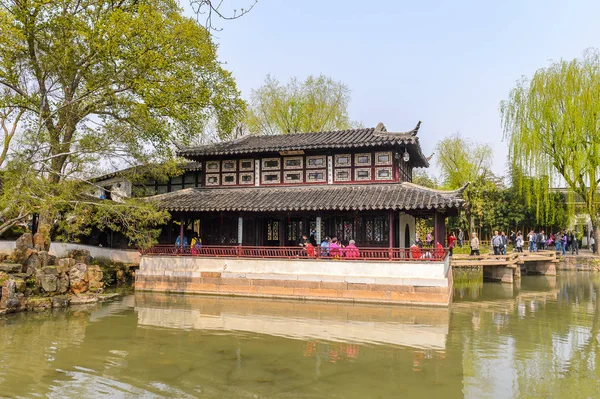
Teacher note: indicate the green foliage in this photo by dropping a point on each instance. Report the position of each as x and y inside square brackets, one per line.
[317, 104]
[113, 273]
[99, 83]
[421, 178]
[138, 220]
[490, 205]
[551, 122]
[461, 162]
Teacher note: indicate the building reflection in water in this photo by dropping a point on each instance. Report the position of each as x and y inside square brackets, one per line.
[348, 343]
[425, 328]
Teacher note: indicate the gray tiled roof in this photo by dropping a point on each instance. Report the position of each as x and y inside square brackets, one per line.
[186, 167]
[354, 138]
[396, 196]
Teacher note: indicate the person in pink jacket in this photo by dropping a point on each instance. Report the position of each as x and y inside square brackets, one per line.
[351, 251]
[334, 248]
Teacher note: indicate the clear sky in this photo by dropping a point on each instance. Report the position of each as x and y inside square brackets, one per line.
[447, 63]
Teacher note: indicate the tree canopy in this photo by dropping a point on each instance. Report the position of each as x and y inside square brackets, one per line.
[317, 104]
[462, 161]
[551, 123]
[92, 83]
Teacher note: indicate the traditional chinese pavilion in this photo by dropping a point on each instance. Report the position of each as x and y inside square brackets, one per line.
[270, 190]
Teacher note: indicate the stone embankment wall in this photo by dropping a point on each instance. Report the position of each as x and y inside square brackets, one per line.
[33, 279]
[579, 263]
[414, 283]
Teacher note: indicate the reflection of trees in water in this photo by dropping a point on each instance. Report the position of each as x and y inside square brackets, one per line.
[468, 283]
[536, 344]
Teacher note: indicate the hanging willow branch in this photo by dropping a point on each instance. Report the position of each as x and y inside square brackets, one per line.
[552, 124]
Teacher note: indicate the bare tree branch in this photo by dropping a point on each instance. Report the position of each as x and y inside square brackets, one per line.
[208, 8]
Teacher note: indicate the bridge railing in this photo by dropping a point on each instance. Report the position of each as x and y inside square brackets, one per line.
[254, 252]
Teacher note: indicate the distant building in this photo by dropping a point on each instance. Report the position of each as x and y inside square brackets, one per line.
[581, 220]
[116, 185]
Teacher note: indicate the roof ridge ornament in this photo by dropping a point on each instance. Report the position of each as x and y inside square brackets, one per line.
[416, 129]
[380, 128]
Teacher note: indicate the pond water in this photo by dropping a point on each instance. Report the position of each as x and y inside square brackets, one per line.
[538, 338]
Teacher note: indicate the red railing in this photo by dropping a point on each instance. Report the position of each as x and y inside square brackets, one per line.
[238, 251]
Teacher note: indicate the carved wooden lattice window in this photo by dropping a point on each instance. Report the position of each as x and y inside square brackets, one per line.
[362, 174]
[383, 173]
[273, 230]
[362, 159]
[383, 158]
[369, 230]
[212, 166]
[376, 229]
[380, 229]
[271, 163]
[246, 165]
[339, 229]
[293, 177]
[348, 231]
[315, 176]
[229, 179]
[294, 230]
[343, 174]
[293, 163]
[247, 178]
[229, 166]
[342, 160]
[317, 161]
[212, 180]
[270, 178]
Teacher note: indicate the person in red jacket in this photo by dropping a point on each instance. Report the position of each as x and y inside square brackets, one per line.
[310, 249]
[415, 251]
[438, 252]
[451, 242]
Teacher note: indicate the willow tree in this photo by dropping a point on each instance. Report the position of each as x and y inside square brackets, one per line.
[316, 104]
[552, 124]
[462, 161]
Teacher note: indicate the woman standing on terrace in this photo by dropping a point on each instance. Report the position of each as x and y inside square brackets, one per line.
[474, 244]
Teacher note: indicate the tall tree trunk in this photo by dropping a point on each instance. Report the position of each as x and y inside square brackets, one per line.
[471, 224]
[596, 235]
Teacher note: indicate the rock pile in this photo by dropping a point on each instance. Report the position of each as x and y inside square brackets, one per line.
[30, 278]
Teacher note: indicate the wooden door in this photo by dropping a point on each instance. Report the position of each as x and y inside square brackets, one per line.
[272, 232]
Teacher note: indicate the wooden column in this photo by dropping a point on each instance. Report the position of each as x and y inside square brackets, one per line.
[181, 231]
[439, 228]
[282, 230]
[391, 227]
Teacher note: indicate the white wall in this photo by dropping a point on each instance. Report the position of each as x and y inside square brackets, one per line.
[61, 249]
[411, 221]
[118, 187]
[414, 273]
